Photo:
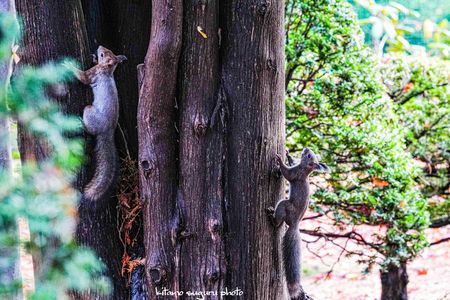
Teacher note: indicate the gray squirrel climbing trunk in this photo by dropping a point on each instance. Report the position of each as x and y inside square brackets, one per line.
[54, 30]
[116, 24]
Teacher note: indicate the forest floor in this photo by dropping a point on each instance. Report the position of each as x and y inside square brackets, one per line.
[429, 274]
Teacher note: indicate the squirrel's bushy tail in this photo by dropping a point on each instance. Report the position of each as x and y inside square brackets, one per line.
[106, 167]
[292, 261]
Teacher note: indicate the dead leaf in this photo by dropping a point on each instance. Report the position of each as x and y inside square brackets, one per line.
[377, 182]
[14, 54]
[125, 261]
[428, 28]
[134, 263]
[409, 86]
[422, 272]
[202, 33]
[402, 204]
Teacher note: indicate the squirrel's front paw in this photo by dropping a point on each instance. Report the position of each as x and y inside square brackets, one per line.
[279, 158]
[270, 211]
[276, 165]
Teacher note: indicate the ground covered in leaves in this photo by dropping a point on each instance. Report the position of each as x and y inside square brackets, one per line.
[429, 274]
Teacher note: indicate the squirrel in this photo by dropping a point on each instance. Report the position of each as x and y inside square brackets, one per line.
[291, 212]
[100, 119]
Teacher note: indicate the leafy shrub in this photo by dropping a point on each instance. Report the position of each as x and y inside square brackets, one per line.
[336, 105]
[42, 193]
[419, 88]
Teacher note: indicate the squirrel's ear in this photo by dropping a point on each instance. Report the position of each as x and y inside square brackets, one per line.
[121, 58]
[323, 168]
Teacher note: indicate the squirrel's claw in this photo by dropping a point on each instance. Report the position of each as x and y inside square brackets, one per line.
[270, 211]
[279, 159]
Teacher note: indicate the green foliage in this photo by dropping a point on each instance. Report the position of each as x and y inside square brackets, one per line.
[336, 105]
[419, 88]
[42, 193]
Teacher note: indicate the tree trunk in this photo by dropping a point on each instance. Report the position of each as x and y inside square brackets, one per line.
[54, 30]
[116, 24]
[206, 170]
[394, 283]
[41, 43]
[157, 147]
[202, 151]
[213, 236]
[253, 80]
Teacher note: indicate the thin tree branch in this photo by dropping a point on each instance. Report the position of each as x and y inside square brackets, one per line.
[440, 241]
[441, 222]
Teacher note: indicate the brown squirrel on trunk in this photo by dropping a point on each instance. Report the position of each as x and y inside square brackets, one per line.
[100, 119]
[291, 211]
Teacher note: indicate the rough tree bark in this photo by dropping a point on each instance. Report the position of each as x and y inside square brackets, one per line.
[206, 186]
[394, 283]
[157, 146]
[42, 43]
[54, 30]
[253, 80]
[202, 150]
[213, 236]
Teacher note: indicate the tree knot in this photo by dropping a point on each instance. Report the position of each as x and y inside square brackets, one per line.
[262, 8]
[271, 65]
[215, 228]
[158, 274]
[200, 125]
[148, 166]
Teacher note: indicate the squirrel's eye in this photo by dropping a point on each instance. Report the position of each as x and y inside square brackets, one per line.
[101, 54]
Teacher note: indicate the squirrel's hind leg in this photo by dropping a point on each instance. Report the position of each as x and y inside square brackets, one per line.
[278, 215]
